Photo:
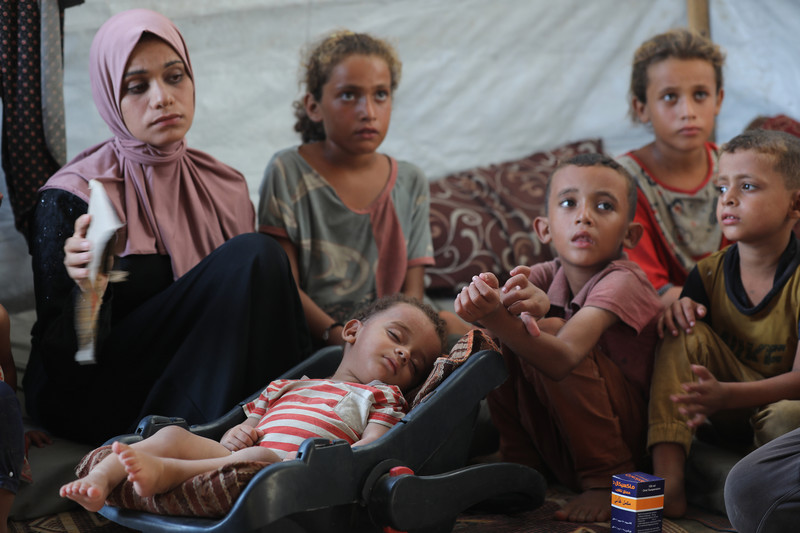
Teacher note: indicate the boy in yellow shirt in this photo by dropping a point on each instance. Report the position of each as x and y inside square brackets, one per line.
[730, 342]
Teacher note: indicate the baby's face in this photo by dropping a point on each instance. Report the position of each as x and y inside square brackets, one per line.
[396, 346]
[754, 202]
[587, 215]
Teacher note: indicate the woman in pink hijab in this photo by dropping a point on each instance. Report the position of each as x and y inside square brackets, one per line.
[209, 311]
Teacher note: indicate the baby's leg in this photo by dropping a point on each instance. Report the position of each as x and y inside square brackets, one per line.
[172, 441]
[151, 474]
[91, 491]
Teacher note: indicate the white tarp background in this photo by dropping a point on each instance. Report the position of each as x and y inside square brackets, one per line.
[483, 81]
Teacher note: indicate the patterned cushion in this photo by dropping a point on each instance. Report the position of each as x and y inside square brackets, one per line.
[211, 494]
[482, 219]
[474, 341]
[777, 122]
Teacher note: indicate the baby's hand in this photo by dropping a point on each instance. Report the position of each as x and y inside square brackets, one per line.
[681, 314]
[241, 436]
[703, 398]
[479, 299]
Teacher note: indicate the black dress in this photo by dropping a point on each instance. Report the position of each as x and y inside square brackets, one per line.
[191, 347]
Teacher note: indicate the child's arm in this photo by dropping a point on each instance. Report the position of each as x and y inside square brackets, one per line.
[706, 396]
[318, 320]
[553, 355]
[414, 284]
[558, 355]
[242, 435]
[372, 432]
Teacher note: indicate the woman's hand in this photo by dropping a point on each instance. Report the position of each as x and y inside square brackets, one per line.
[78, 253]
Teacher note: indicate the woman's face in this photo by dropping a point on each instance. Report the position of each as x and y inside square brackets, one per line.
[157, 94]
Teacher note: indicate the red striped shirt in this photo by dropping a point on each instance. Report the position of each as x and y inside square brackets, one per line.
[291, 411]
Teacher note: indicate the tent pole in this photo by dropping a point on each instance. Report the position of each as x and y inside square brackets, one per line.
[697, 14]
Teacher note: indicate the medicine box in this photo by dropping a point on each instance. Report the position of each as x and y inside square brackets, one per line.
[637, 503]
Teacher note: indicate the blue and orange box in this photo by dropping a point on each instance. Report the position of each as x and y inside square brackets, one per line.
[637, 503]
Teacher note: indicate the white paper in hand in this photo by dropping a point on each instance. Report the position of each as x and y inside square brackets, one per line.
[87, 308]
[103, 226]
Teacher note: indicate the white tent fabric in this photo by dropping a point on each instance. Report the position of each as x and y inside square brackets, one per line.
[483, 82]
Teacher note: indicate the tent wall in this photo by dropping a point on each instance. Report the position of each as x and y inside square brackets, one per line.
[482, 81]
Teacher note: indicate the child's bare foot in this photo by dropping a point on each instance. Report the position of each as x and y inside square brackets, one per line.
[90, 491]
[674, 496]
[593, 505]
[669, 461]
[145, 471]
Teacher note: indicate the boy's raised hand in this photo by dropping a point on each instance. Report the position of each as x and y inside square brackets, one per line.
[479, 299]
[702, 398]
[519, 295]
[683, 314]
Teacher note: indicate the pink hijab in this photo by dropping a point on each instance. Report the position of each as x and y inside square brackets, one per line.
[175, 201]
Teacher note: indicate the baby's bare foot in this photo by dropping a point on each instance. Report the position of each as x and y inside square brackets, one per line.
[90, 492]
[145, 471]
[594, 505]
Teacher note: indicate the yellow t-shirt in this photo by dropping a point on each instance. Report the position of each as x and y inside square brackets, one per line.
[763, 336]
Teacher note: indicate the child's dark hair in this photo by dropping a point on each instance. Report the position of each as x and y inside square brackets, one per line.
[781, 146]
[678, 43]
[323, 57]
[385, 302]
[596, 160]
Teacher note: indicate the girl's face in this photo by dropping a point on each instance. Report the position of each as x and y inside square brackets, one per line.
[682, 102]
[356, 104]
[157, 94]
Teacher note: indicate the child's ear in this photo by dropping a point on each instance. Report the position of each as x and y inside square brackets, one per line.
[632, 236]
[312, 107]
[541, 225]
[720, 96]
[794, 209]
[350, 329]
[642, 113]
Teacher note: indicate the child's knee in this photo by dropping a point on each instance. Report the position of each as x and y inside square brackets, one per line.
[774, 420]
[694, 347]
[168, 437]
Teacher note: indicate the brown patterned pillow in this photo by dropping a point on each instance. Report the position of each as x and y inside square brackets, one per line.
[211, 494]
[474, 341]
[482, 219]
[778, 123]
